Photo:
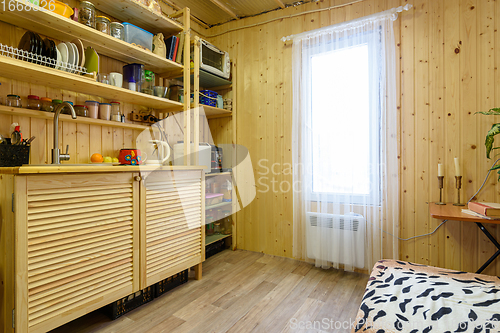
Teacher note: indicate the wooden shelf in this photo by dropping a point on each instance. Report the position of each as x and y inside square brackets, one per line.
[454, 213]
[63, 29]
[136, 13]
[207, 80]
[222, 204]
[67, 118]
[214, 112]
[37, 74]
[217, 174]
[214, 238]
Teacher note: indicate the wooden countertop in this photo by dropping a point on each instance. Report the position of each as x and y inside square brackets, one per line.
[454, 213]
[90, 168]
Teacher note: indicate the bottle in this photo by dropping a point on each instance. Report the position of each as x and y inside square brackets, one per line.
[16, 136]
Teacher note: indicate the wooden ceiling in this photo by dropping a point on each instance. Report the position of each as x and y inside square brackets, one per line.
[213, 12]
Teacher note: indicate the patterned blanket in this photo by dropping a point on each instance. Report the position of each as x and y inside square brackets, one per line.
[410, 298]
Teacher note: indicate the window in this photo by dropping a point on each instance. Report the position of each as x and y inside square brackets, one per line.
[344, 123]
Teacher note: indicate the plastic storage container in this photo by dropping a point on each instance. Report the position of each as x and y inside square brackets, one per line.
[105, 111]
[93, 107]
[208, 97]
[137, 36]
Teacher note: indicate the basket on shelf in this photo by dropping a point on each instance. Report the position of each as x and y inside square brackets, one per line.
[208, 97]
[14, 155]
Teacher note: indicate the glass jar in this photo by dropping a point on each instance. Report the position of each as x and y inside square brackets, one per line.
[102, 24]
[93, 107]
[117, 30]
[14, 101]
[66, 110]
[209, 230]
[227, 226]
[33, 102]
[116, 114]
[81, 111]
[55, 103]
[86, 14]
[46, 104]
[104, 111]
[217, 228]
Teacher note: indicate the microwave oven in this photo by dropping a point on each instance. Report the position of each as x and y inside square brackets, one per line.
[213, 60]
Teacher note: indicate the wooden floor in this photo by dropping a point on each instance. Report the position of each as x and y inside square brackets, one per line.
[244, 291]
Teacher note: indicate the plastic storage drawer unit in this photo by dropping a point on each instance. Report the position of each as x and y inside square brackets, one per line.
[137, 36]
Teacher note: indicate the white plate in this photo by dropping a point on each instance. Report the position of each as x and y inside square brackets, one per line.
[59, 59]
[81, 51]
[71, 56]
[63, 50]
[77, 57]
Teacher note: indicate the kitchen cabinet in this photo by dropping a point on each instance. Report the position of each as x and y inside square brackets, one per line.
[71, 243]
[172, 237]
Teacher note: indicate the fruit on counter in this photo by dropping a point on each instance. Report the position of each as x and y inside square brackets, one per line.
[96, 158]
[116, 160]
[108, 159]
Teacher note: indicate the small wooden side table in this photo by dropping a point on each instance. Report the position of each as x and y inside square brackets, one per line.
[454, 213]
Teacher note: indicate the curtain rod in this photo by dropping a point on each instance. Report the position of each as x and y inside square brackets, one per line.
[392, 11]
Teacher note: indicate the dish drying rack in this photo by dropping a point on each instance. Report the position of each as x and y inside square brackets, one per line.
[15, 53]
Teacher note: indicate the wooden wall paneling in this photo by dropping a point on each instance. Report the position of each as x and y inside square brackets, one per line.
[422, 114]
[497, 100]
[407, 195]
[38, 154]
[471, 175]
[486, 100]
[107, 141]
[437, 123]
[453, 137]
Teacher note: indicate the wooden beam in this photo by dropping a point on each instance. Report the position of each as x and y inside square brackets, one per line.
[224, 8]
[279, 2]
[180, 12]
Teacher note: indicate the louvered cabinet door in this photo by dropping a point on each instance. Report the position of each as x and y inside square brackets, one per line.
[171, 233]
[82, 245]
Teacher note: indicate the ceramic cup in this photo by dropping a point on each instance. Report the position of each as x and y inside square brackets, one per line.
[116, 79]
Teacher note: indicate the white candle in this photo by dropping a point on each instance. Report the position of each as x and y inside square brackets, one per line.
[440, 170]
[457, 167]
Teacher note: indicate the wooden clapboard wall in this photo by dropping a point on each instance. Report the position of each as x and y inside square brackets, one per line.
[447, 70]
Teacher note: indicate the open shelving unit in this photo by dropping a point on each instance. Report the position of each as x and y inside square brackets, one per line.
[214, 238]
[67, 118]
[58, 27]
[38, 74]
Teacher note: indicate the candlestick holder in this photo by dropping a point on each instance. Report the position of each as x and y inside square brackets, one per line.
[441, 185]
[458, 181]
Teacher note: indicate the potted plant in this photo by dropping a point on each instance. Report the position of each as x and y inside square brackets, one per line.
[490, 136]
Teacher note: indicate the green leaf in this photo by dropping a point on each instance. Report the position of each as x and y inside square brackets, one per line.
[495, 129]
[496, 167]
[491, 112]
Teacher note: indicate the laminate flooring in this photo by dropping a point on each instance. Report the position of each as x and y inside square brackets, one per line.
[244, 291]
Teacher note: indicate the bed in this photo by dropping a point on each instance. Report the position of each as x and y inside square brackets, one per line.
[410, 298]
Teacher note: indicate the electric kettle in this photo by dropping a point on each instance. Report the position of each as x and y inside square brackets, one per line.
[162, 151]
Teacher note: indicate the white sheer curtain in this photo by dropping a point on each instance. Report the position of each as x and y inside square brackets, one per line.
[345, 148]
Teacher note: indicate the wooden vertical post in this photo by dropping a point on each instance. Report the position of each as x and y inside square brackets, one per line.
[187, 86]
[196, 91]
[234, 161]
[21, 254]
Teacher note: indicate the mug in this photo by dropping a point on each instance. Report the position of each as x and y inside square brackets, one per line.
[116, 79]
[131, 157]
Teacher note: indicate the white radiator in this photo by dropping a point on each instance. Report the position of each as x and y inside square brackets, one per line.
[349, 232]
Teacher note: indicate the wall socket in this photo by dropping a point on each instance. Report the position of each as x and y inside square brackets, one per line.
[140, 117]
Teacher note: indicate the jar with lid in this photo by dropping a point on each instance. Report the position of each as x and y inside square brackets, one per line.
[33, 102]
[46, 104]
[117, 30]
[102, 24]
[116, 114]
[14, 101]
[93, 107]
[227, 226]
[66, 110]
[86, 14]
[104, 111]
[55, 103]
[209, 230]
[217, 228]
[81, 111]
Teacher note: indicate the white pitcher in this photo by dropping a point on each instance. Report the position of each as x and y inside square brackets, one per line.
[163, 152]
